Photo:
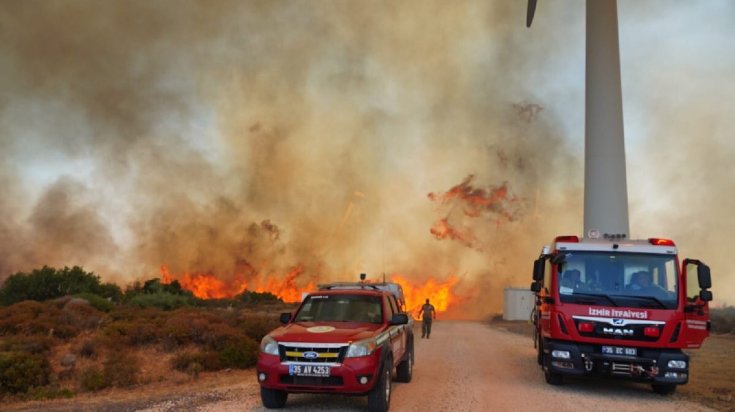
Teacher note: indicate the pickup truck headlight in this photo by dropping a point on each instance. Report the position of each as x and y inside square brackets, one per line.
[361, 348]
[269, 345]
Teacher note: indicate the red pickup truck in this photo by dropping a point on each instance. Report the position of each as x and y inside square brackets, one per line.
[343, 340]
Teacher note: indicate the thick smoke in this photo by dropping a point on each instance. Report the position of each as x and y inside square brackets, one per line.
[235, 138]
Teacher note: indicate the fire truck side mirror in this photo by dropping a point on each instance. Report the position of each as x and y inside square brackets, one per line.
[285, 317]
[705, 295]
[538, 269]
[535, 287]
[703, 276]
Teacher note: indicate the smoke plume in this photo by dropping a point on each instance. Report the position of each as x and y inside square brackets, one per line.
[252, 141]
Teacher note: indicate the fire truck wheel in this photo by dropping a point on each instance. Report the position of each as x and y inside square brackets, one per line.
[663, 389]
[379, 396]
[404, 370]
[540, 354]
[273, 398]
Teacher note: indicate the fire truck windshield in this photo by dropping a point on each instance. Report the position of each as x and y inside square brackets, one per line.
[341, 308]
[618, 279]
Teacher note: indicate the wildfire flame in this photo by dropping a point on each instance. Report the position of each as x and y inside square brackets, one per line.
[208, 286]
[441, 294]
[477, 200]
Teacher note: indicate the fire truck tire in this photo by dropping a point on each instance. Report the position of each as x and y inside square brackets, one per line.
[663, 389]
[553, 378]
[540, 354]
[273, 398]
[404, 370]
[379, 396]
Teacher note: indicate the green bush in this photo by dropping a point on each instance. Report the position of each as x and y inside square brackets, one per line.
[92, 379]
[97, 301]
[161, 300]
[49, 392]
[21, 371]
[239, 353]
[257, 297]
[723, 320]
[49, 283]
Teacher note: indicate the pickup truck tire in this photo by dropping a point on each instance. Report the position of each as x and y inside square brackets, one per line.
[379, 396]
[404, 370]
[273, 398]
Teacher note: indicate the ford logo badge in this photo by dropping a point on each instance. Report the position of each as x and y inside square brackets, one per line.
[311, 355]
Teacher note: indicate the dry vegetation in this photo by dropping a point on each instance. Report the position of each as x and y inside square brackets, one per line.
[63, 347]
[712, 370]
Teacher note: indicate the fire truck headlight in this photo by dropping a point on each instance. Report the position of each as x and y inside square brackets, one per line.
[677, 364]
[561, 354]
[269, 345]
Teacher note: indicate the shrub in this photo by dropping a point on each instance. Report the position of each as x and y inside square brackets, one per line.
[240, 353]
[89, 349]
[258, 297]
[161, 300]
[21, 371]
[97, 301]
[191, 362]
[36, 344]
[49, 283]
[49, 392]
[257, 326]
[121, 369]
[92, 379]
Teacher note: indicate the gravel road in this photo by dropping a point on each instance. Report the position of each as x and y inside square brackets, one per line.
[465, 366]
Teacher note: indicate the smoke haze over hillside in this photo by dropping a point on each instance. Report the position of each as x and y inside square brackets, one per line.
[243, 139]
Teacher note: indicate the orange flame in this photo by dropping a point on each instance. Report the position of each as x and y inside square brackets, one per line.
[477, 200]
[441, 294]
[442, 230]
[208, 286]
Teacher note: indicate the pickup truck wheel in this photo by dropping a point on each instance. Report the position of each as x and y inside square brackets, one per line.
[273, 398]
[404, 370]
[663, 389]
[379, 396]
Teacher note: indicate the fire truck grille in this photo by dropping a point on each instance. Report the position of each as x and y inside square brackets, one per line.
[305, 353]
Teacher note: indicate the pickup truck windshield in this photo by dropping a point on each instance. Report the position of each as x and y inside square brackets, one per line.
[619, 279]
[341, 308]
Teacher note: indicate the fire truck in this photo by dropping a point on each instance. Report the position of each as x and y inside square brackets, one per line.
[618, 307]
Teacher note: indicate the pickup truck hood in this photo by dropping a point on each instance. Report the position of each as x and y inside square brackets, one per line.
[326, 332]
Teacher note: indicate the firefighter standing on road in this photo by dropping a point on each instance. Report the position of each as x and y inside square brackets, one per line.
[427, 313]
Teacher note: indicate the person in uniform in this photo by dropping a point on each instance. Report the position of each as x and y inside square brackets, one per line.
[427, 313]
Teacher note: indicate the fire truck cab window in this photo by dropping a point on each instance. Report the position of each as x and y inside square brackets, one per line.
[621, 279]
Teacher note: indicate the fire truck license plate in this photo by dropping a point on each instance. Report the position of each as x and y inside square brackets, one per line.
[617, 350]
[308, 370]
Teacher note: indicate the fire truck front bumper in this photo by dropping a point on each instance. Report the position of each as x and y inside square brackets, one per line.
[668, 366]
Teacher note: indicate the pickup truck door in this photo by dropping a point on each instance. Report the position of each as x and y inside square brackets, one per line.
[397, 333]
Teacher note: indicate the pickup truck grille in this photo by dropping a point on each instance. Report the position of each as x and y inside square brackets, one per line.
[312, 352]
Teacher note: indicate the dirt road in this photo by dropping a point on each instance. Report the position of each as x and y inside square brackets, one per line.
[465, 366]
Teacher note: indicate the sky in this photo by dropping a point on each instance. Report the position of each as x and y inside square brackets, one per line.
[249, 139]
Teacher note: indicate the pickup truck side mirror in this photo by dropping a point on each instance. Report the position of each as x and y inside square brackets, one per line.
[398, 319]
[704, 277]
[535, 287]
[285, 317]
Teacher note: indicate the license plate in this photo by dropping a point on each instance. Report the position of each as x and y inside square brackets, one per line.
[308, 370]
[619, 350]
